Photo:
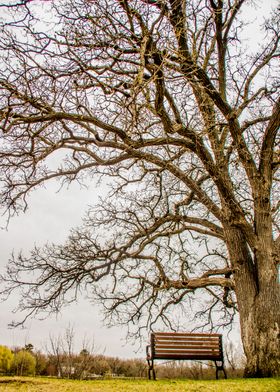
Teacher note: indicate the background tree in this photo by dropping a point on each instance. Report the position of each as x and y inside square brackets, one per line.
[84, 360]
[62, 350]
[41, 363]
[29, 347]
[24, 363]
[234, 358]
[6, 359]
[62, 355]
[165, 99]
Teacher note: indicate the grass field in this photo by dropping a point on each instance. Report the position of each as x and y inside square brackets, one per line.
[53, 385]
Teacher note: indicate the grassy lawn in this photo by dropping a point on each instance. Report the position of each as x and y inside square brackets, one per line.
[49, 385]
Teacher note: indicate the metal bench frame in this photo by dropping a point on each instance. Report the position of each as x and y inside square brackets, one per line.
[185, 346]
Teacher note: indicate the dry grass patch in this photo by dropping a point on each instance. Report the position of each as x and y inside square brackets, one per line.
[30, 384]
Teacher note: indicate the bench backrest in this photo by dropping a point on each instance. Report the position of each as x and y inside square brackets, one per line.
[169, 345]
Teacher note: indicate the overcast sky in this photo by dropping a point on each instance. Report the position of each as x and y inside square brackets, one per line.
[48, 219]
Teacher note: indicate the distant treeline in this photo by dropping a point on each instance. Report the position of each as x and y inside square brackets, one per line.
[86, 365]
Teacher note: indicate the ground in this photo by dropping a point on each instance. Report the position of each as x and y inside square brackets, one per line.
[30, 384]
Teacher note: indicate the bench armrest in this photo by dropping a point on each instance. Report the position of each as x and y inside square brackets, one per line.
[148, 352]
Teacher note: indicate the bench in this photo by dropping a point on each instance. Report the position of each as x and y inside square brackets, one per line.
[185, 346]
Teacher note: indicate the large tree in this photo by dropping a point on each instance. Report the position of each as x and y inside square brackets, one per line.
[164, 98]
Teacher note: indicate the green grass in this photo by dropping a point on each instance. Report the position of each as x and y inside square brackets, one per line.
[30, 384]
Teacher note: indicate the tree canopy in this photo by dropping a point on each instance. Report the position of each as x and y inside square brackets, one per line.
[164, 99]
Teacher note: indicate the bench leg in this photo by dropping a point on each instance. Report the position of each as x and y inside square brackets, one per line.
[151, 369]
[220, 368]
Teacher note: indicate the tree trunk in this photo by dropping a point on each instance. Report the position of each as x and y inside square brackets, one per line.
[261, 338]
[258, 297]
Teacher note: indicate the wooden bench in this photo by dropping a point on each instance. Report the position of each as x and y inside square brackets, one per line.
[185, 346]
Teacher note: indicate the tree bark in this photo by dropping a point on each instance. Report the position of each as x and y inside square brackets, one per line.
[258, 297]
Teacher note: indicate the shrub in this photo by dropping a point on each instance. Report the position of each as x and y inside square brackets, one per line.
[6, 359]
[24, 363]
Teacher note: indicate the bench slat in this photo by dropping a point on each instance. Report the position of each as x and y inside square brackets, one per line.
[187, 334]
[189, 357]
[192, 345]
[187, 352]
[187, 339]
